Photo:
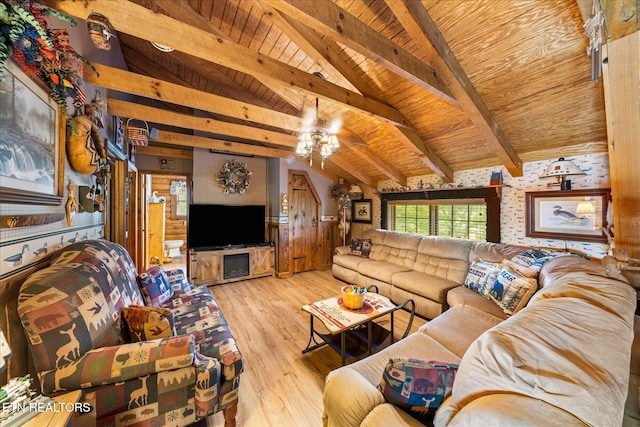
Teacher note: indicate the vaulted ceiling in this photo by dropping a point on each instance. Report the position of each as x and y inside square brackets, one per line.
[419, 87]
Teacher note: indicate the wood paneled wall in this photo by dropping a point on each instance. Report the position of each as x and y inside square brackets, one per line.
[174, 229]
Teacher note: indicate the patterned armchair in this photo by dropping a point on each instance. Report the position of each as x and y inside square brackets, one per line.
[73, 315]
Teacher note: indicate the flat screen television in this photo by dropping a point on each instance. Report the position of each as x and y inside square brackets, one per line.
[211, 227]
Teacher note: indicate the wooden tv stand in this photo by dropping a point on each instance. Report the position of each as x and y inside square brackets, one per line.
[207, 267]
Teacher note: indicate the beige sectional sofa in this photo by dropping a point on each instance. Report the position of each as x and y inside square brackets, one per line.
[424, 268]
[563, 360]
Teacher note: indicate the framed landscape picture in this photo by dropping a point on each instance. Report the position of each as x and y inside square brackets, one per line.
[32, 135]
[567, 215]
[361, 211]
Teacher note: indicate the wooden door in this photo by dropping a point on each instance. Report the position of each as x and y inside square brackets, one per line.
[303, 222]
[155, 233]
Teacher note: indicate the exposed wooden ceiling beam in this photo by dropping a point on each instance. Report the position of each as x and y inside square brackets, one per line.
[185, 140]
[204, 124]
[418, 23]
[149, 87]
[343, 163]
[182, 11]
[421, 149]
[175, 153]
[356, 144]
[202, 44]
[231, 147]
[329, 19]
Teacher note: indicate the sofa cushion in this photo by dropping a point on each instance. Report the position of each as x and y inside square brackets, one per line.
[396, 248]
[361, 247]
[349, 261]
[493, 252]
[445, 257]
[459, 326]
[481, 276]
[416, 345]
[418, 283]
[573, 339]
[196, 313]
[155, 287]
[511, 290]
[465, 296]
[380, 270]
[69, 306]
[415, 384]
[148, 323]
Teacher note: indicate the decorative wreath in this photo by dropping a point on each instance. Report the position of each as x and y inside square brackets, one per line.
[234, 177]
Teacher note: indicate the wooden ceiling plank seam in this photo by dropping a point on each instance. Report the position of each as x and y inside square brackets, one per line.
[204, 124]
[419, 24]
[199, 43]
[340, 25]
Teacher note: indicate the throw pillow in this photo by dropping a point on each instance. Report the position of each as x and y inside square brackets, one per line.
[481, 275]
[511, 290]
[148, 323]
[154, 286]
[361, 247]
[178, 280]
[530, 262]
[417, 385]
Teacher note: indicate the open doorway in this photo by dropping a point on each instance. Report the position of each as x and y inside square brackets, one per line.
[165, 201]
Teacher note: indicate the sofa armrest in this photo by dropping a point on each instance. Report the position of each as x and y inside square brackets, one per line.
[343, 250]
[109, 365]
[348, 398]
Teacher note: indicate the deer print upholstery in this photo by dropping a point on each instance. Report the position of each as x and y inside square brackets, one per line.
[72, 315]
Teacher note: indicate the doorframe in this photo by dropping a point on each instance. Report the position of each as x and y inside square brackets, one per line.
[318, 200]
[141, 235]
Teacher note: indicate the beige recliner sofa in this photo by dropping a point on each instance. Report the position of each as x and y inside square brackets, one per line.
[423, 268]
[562, 360]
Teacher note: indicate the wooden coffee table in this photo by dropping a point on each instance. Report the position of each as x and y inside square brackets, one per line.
[353, 333]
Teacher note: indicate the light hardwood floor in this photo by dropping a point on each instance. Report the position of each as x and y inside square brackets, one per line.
[280, 386]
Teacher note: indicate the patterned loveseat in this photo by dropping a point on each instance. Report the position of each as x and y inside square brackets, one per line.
[88, 329]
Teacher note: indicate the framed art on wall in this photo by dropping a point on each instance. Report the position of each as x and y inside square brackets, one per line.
[32, 136]
[361, 211]
[578, 215]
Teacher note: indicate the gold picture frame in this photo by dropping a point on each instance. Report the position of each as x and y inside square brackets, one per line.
[32, 138]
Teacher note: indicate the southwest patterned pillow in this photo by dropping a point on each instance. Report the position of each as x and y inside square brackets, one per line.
[481, 275]
[155, 286]
[361, 247]
[178, 280]
[148, 323]
[417, 385]
[511, 290]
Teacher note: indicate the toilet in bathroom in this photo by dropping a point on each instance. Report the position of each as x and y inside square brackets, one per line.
[172, 248]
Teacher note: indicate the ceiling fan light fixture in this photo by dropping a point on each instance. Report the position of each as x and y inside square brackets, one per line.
[317, 136]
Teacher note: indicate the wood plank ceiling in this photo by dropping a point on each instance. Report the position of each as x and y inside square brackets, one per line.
[418, 87]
